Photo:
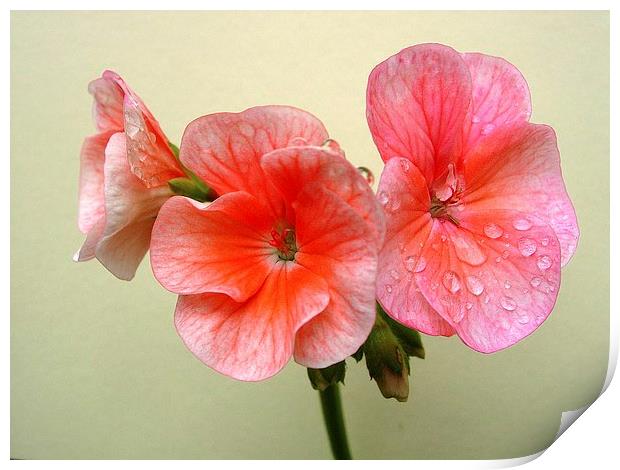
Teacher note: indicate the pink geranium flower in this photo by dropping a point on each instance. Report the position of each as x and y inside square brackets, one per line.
[124, 170]
[478, 218]
[284, 262]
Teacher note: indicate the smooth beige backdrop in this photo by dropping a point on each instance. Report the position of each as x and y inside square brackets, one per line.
[97, 370]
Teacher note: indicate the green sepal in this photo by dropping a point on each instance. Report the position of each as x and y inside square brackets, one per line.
[174, 149]
[189, 187]
[359, 354]
[410, 339]
[320, 379]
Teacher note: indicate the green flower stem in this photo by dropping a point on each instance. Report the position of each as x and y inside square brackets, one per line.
[334, 422]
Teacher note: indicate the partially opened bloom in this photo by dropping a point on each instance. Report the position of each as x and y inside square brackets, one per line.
[284, 262]
[478, 219]
[124, 171]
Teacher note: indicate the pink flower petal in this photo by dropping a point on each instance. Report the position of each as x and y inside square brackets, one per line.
[91, 205]
[252, 340]
[148, 152]
[225, 149]
[403, 192]
[294, 168]
[417, 102]
[107, 105]
[339, 247]
[500, 95]
[87, 250]
[519, 169]
[493, 282]
[219, 247]
[130, 211]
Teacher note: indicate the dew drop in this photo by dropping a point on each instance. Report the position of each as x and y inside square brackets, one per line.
[544, 241]
[527, 246]
[522, 224]
[383, 198]
[507, 285]
[475, 120]
[508, 304]
[468, 305]
[493, 230]
[488, 128]
[443, 238]
[405, 165]
[410, 263]
[451, 281]
[394, 274]
[474, 285]
[544, 262]
[505, 254]
[498, 259]
[535, 282]
[523, 319]
[458, 315]
[421, 265]
[388, 289]
[487, 299]
[467, 250]
[367, 174]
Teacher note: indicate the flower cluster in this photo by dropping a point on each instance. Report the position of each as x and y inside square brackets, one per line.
[277, 246]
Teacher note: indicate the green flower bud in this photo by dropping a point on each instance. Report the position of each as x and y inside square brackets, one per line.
[323, 378]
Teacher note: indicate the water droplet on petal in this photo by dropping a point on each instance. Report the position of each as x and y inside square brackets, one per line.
[388, 289]
[468, 305]
[523, 319]
[522, 224]
[475, 119]
[405, 165]
[474, 285]
[544, 262]
[505, 254]
[535, 282]
[383, 198]
[451, 281]
[527, 246]
[443, 238]
[508, 304]
[395, 204]
[394, 274]
[544, 241]
[421, 265]
[468, 250]
[493, 230]
[498, 259]
[488, 128]
[410, 262]
[367, 174]
[507, 285]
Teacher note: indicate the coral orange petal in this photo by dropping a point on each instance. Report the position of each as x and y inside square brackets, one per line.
[221, 247]
[252, 340]
[148, 152]
[494, 278]
[417, 103]
[338, 247]
[500, 96]
[107, 104]
[519, 169]
[225, 149]
[91, 205]
[402, 190]
[293, 168]
[130, 211]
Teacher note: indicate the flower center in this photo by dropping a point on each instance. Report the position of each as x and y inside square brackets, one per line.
[284, 243]
[445, 195]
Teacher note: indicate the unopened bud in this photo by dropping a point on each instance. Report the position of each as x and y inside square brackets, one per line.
[320, 379]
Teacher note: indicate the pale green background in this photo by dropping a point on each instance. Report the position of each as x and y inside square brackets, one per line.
[97, 370]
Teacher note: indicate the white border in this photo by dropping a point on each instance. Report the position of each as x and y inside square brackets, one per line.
[592, 442]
